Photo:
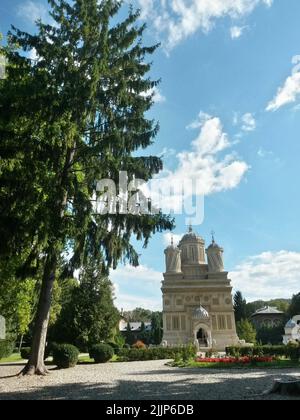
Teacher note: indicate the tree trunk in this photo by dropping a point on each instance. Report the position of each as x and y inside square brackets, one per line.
[36, 364]
[21, 343]
[286, 388]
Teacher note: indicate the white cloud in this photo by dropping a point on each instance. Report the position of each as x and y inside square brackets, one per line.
[167, 152]
[167, 238]
[245, 122]
[290, 91]
[33, 11]
[158, 97]
[248, 122]
[199, 121]
[179, 19]
[237, 31]
[262, 153]
[269, 275]
[202, 170]
[156, 94]
[137, 286]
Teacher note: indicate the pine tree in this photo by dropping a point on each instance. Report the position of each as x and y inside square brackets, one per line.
[294, 308]
[90, 316]
[240, 307]
[157, 327]
[246, 331]
[74, 116]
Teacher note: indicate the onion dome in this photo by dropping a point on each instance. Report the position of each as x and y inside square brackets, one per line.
[291, 324]
[191, 236]
[200, 313]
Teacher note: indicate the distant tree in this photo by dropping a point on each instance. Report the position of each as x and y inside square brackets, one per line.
[246, 331]
[129, 335]
[138, 315]
[240, 307]
[90, 317]
[294, 308]
[270, 335]
[157, 328]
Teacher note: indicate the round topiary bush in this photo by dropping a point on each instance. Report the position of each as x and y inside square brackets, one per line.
[6, 348]
[101, 353]
[65, 356]
[25, 353]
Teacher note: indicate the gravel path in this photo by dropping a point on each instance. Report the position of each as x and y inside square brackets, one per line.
[141, 381]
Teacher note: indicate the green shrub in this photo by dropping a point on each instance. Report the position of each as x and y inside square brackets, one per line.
[65, 356]
[25, 353]
[115, 347]
[101, 353]
[6, 348]
[157, 353]
[291, 351]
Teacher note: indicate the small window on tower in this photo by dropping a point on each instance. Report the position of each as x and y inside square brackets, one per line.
[192, 252]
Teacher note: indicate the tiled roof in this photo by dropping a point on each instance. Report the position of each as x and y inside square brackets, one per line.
[268, 310]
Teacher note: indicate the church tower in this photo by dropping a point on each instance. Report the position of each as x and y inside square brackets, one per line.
[173, 259]
[197, 296]
[215, 257]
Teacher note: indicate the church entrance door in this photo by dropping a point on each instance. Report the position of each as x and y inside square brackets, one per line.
[202, 338]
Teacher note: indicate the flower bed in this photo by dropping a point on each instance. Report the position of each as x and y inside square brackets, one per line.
[236, 360]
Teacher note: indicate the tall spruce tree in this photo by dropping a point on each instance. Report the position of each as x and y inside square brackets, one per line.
[240, 307]
[75, 115]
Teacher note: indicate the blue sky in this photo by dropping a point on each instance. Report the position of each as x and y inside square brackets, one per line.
[229, 104]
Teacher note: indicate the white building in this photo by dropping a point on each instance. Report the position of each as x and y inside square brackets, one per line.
[197, 296]
[292, 331]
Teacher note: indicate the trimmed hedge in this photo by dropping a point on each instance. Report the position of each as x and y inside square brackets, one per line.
[6, 348]
[65, 356]
[101, 353]
[157, 353]
[291, 351]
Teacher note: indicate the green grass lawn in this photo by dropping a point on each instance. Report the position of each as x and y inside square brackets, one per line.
[83, 358]
[278, 364]
[14, 358]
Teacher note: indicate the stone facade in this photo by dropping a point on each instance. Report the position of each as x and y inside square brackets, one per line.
[197, 296]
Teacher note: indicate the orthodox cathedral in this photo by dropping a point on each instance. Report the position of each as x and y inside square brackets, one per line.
[197, 296]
